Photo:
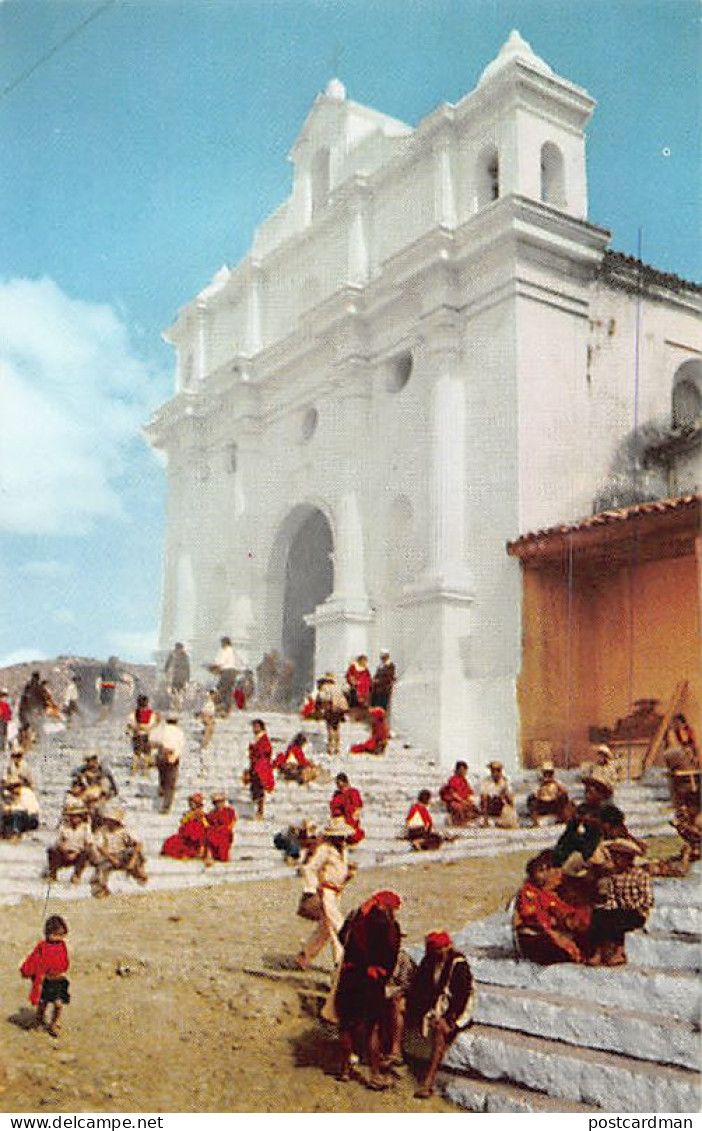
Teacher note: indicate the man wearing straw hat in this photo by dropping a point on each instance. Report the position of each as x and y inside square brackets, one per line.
[550, 798]
[625, 901]
[75, 844]
[497, 799]
[325, 874]
[117, 851]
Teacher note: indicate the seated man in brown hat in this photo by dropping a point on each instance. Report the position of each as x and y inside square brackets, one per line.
[684, 776]
[19, 809]
[550, 799]
[117, 851]
[624, 902]
[94, 784]
[606, 764]
[497, 799]
[75, 844]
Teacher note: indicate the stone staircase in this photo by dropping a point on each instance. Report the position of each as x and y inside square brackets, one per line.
[625, 1039]
[545, 1039]
[388, 784]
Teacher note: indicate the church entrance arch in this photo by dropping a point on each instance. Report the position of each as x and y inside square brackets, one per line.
[302, 577]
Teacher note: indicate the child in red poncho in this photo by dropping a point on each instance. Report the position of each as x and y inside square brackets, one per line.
[46, 966]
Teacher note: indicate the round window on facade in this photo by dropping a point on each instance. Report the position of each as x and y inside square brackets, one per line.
[309, 422]
[399, 372]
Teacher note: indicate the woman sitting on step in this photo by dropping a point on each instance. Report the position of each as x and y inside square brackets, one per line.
[419, 825]
[221, 820]
[379, 734]
[293, 764]
[190, 842]
[546, 928]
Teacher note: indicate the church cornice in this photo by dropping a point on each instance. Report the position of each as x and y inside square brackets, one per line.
[626, 273]
[178, 421]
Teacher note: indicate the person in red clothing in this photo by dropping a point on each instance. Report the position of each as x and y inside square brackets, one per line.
[309, 709]
[371, 939]
[293, 764]
[419, 824]
[347, 802]
[379, 734]
[457, 796]
[220, 827]
[5, 717]
[360, 682]
[140, 725]
[240, 694]
[190, 842]
[46, 966]
[261, 776]
[547, 929]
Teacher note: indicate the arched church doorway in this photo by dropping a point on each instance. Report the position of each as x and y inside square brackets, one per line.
[308, 581]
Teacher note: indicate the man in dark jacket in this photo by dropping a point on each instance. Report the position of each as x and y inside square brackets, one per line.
[371, 940]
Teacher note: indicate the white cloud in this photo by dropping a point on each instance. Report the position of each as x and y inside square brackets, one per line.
[136, 646]
[46, 569]
[74, 398]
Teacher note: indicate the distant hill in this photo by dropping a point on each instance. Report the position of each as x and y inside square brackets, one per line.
[56, 671]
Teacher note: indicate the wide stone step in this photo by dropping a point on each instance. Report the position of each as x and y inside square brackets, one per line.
[664, 948]
[669, 917]
[492, 1098]
[674, 992]
[606, 1080]
[644, 1036]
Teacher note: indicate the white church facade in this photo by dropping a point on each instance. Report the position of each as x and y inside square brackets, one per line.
[428, 351]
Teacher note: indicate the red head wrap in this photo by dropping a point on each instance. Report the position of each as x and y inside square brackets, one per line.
[387, 900]
[437, 940]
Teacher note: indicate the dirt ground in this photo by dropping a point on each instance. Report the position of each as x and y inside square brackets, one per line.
[164, 1017]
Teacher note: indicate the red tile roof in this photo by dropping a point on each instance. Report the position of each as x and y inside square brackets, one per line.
[612, 518]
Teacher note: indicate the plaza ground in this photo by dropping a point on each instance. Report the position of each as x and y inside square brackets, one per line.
[164, 1017]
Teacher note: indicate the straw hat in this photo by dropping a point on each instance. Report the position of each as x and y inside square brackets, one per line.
[548, 768]
[598, 778]
[604, 750]
[338, 829]
[219, 795]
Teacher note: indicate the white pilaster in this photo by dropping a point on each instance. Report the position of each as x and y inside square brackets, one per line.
[444, 193]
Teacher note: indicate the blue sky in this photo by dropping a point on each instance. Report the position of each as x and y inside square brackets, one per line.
[140, 156]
